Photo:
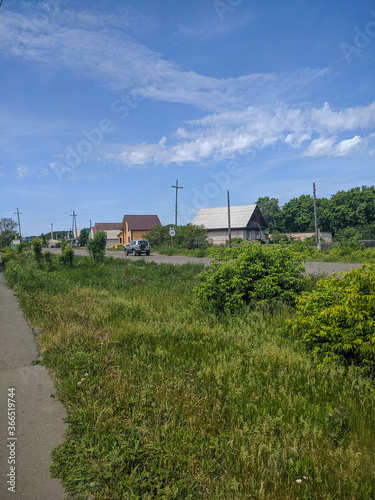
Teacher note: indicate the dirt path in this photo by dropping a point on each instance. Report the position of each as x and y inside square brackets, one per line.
[25, 450]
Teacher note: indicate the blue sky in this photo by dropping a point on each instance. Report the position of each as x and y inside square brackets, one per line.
[104, 104]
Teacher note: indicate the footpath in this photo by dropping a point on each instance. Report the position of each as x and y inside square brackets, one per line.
[31, 421]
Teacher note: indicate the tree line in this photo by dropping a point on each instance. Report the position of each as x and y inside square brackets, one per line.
[347, 214]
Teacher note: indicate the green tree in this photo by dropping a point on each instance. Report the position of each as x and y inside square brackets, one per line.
[96, 246]
[67, 254]
[43, 237]
[83, 237]
[7, 231]
[157, 236]
[191, 236]
[188, 236]
[271, 212]
[352, 208]
[37, 246]
[298, 214]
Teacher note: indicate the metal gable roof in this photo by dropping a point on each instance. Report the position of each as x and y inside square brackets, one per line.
[217, 218]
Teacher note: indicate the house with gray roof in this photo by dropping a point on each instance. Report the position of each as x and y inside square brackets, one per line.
[247, 223]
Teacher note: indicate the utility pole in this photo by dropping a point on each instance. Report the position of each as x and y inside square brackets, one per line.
[18, 213]
[51, 230]
[229, 228]
[176, 187]
[317, 239]
[74, 225]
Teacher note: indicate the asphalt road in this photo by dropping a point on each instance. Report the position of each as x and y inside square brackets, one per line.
[26, 443]
[311, 267]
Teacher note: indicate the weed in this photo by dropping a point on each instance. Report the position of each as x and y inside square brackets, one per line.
[167, 400]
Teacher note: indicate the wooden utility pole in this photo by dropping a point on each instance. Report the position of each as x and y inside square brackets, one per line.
[18, 213]
[176, 187]
[317, 239]
[229, 228]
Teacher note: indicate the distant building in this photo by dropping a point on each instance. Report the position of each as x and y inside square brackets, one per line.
[247, 223]
[133, 227]
[324, 235]
[111, 229]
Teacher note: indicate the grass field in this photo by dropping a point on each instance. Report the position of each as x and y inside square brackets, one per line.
[168, 401]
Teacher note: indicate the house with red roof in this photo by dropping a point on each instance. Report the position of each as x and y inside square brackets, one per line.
[134, 227]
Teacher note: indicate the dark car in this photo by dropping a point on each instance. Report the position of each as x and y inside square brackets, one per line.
[137, 247]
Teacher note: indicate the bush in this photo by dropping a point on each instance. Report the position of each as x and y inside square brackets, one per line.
[250, 274]
[96, 246]
[337, 319]
[37, 246]
[6, 256]
[67, 254]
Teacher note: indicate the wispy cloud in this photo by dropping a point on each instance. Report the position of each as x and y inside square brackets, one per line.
[86, 45]
[2, 171]
[21, 171]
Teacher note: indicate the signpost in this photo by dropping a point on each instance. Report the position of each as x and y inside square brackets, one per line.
[172, 232]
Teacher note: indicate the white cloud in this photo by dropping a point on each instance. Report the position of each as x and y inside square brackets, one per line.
[21, 172]
[91, 46]
[328, 146]
[224, 135]
[2, 171]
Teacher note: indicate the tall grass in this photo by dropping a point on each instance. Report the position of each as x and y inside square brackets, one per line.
[167, 401]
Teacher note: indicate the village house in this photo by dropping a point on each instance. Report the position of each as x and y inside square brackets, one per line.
[247, 223]
[111, 229]
[324, 236]
[134, 227]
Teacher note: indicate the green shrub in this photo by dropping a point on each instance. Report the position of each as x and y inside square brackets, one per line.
[67, 255]
[6, 256]
[37, 246]
[249, 274]
[96, 246]
[337, 319]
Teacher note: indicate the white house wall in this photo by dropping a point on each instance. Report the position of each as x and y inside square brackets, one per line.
[221, 237]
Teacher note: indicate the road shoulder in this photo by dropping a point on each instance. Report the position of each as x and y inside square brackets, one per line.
[39, 418]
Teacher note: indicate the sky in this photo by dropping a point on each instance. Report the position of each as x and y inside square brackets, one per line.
[104, 104]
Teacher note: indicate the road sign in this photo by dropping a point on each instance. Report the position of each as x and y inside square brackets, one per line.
[172, 232]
